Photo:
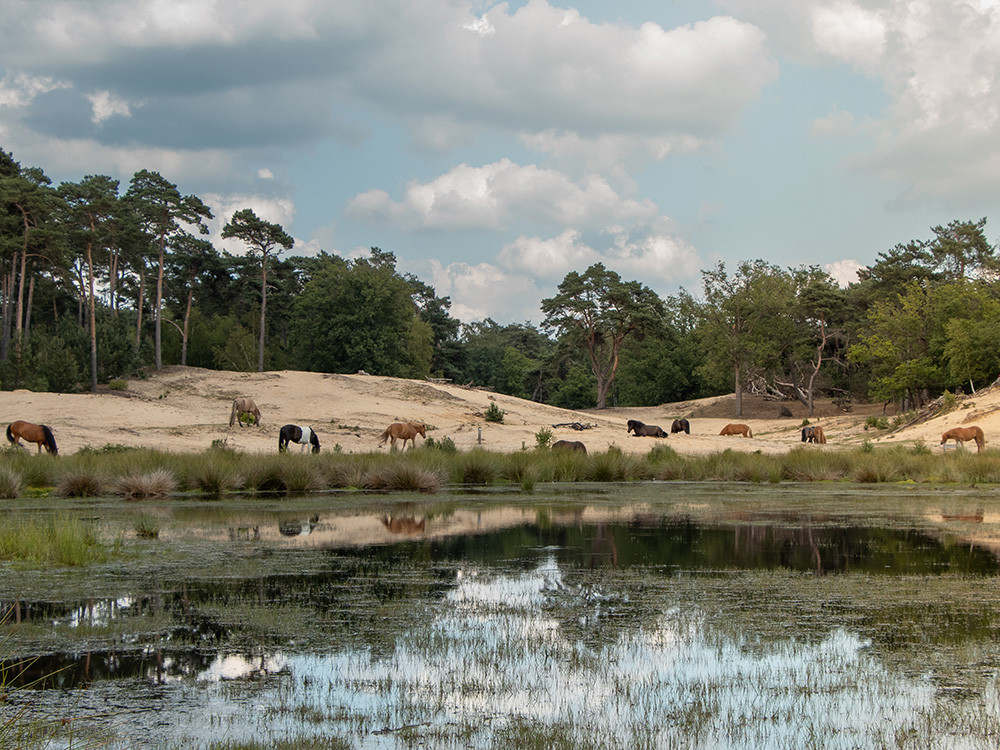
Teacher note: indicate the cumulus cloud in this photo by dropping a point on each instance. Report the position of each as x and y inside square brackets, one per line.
[844, 272]
[275, 210]
[491, 196]
[483, 290]
[938, 63]
[649, 253]
[106, 106]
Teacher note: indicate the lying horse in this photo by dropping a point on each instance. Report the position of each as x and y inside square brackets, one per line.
[569, 445]
[292, 433]
[958, 434]
[244, 407]
[403, 431]
[737, 429]
[33, 433]
[681, 425]
[638, 429]
[813, 434]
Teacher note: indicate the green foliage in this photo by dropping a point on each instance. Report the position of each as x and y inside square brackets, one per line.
[543, 438]
[576, 391]
[359, 315]
[494, 413]
[597, 312]
[877, 423]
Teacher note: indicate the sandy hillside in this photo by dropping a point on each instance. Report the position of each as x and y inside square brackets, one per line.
[185, 409]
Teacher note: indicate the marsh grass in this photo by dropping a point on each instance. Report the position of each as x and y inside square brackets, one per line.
[215, 472]
[11, 484]
[58, 541]
[156, 483]
[82, 483]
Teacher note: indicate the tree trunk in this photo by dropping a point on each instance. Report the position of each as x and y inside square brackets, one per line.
[142, 292]
[157, 333]
[27, 312]
[263, 305]
[8, 288]
[739, 393]
[93, 314]
[187, 318]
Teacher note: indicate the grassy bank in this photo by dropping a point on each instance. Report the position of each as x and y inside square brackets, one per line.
[139, 473]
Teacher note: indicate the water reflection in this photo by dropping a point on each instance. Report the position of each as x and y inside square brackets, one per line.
[627, 625]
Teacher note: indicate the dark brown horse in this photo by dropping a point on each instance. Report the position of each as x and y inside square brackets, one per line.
[569, 445]
[638, 429]
[813, 434]
[244, 407]
[961, 434]
[403, 431]
[39, 434]
[737, 429]
[681, 425]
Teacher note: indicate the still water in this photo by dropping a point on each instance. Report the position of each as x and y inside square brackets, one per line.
[649, 615]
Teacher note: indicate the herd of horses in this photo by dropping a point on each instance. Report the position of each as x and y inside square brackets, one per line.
[244, 409]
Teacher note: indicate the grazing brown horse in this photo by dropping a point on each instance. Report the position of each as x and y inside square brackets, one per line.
[813, 434]
[403, 431]
[961, 434]
[33, 433]
[638, 429]
[569, 445]
[244, 407]
[737, 429]
[680, 425]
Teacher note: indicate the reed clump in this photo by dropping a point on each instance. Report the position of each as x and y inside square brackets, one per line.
[156, 483]
[82, 482]
[10, 484]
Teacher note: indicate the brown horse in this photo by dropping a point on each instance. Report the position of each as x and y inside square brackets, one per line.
[33, 433]
[813, 434]
[680, 425]
[403, 431]
[737, 429]
[244, 407]
[569, 445]
[961, 434]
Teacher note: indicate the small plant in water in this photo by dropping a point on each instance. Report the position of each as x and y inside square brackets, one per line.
[147, 528]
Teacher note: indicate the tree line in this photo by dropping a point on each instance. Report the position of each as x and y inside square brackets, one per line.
[100, 281]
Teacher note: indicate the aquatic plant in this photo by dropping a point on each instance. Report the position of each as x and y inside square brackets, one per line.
[55, 541]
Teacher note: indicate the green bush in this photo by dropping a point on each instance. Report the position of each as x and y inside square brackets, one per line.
[494, 413]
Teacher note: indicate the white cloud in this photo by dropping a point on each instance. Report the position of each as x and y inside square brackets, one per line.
[18, 90]
[651, 254]
[275, 210]
[492, 196]
[265, 174]
[483, 290]
[848, 32]
[844, 272]
[105, 106]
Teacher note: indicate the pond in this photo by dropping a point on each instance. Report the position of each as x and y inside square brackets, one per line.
[644, 615]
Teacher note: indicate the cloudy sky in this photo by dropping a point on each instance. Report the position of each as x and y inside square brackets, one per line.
[493, 147]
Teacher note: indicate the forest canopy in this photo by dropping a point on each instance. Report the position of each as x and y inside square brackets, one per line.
[100, 281]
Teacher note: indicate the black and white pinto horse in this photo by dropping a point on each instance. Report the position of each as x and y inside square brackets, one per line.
[293, 433]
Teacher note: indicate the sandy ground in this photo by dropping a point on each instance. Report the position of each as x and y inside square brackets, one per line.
[186, 408]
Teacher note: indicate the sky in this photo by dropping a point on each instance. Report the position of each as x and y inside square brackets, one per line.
[495, 147]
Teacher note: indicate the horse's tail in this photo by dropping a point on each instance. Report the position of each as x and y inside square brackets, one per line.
[50, 440]
[749, 431]
[10, 435]
[385, 435]
[256, 415]
[281, 443]
[233, 417]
